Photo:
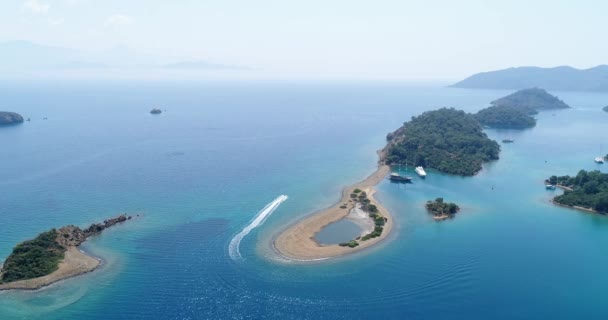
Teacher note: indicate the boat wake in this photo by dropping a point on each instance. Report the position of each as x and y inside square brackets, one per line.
[233, 248]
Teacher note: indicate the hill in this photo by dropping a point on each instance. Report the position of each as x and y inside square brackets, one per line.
[559, 78]
[531, 100]
[448, 140]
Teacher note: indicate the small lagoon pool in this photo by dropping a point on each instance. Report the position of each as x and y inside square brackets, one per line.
[337, 232]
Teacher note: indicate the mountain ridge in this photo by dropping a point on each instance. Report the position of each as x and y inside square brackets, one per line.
[562, 78]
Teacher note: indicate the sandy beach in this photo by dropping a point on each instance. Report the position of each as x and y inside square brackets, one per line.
[75, 263]
[297, 242]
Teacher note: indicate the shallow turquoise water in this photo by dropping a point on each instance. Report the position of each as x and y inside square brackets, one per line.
[200, 172]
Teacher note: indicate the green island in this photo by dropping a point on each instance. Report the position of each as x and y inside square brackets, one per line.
[33, 258]
[531, 101]
[515, 110]
[360, 197]
[10, 118]
[605, 108]
[505, 117]
[441, 210]
[588, 190]
[42, 255]
[447, 140]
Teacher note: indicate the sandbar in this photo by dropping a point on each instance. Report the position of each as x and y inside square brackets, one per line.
[298, 243]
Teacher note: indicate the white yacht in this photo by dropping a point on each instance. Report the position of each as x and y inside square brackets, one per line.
[420, 171]
[599, 160]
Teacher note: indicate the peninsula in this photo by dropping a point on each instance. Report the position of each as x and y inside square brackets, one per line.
[448, 140]
[298, 243]
[52, 256]
[588, 191]
[10, 118]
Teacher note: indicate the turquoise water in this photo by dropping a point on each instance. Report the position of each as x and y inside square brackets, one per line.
[201, 171]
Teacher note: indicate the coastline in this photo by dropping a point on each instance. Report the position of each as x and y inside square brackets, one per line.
[573, 207]
[75, 263]
[297, 241]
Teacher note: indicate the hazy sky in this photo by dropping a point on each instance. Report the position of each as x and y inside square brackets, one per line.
[350, 39]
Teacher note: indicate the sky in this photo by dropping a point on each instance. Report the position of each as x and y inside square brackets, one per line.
[326, 39]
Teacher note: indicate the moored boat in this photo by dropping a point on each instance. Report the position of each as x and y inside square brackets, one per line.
[599, 160]
[550, 187]
[508, 140]
[399, 178]
[420, 171]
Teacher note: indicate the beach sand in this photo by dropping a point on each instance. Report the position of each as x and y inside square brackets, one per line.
[297, 241]
[75, 263]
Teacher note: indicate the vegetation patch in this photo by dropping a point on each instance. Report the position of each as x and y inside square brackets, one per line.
[33, 258]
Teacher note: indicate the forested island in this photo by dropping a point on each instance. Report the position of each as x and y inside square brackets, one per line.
[504, 117]
[441, 210]
[9, 118]
[531, 101]
[587, 190]
[447, 139]
[515, 110]
[41, 257]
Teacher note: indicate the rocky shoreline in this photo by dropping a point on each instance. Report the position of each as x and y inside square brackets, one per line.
[75, 261]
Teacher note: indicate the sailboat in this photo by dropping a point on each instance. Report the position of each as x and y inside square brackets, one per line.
[599, 159]
[396, 177]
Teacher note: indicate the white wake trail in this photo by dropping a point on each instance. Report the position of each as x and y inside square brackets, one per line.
[233, 248]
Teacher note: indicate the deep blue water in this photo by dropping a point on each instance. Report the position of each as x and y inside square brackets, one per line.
[198, 173]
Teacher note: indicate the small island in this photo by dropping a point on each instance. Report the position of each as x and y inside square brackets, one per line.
[156, 111]
[447, 140]
[441, 210]
[531, 101]
[52, 256]
[605, 108]
[588, 191]
[10, 118]
[505, 117]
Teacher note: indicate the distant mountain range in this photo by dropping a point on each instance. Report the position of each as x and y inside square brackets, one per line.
[559, 78]
[24, 55]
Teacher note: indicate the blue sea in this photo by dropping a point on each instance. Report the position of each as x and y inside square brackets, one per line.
[200, 172]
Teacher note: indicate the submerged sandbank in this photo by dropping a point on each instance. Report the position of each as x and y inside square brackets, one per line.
[297, 242]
